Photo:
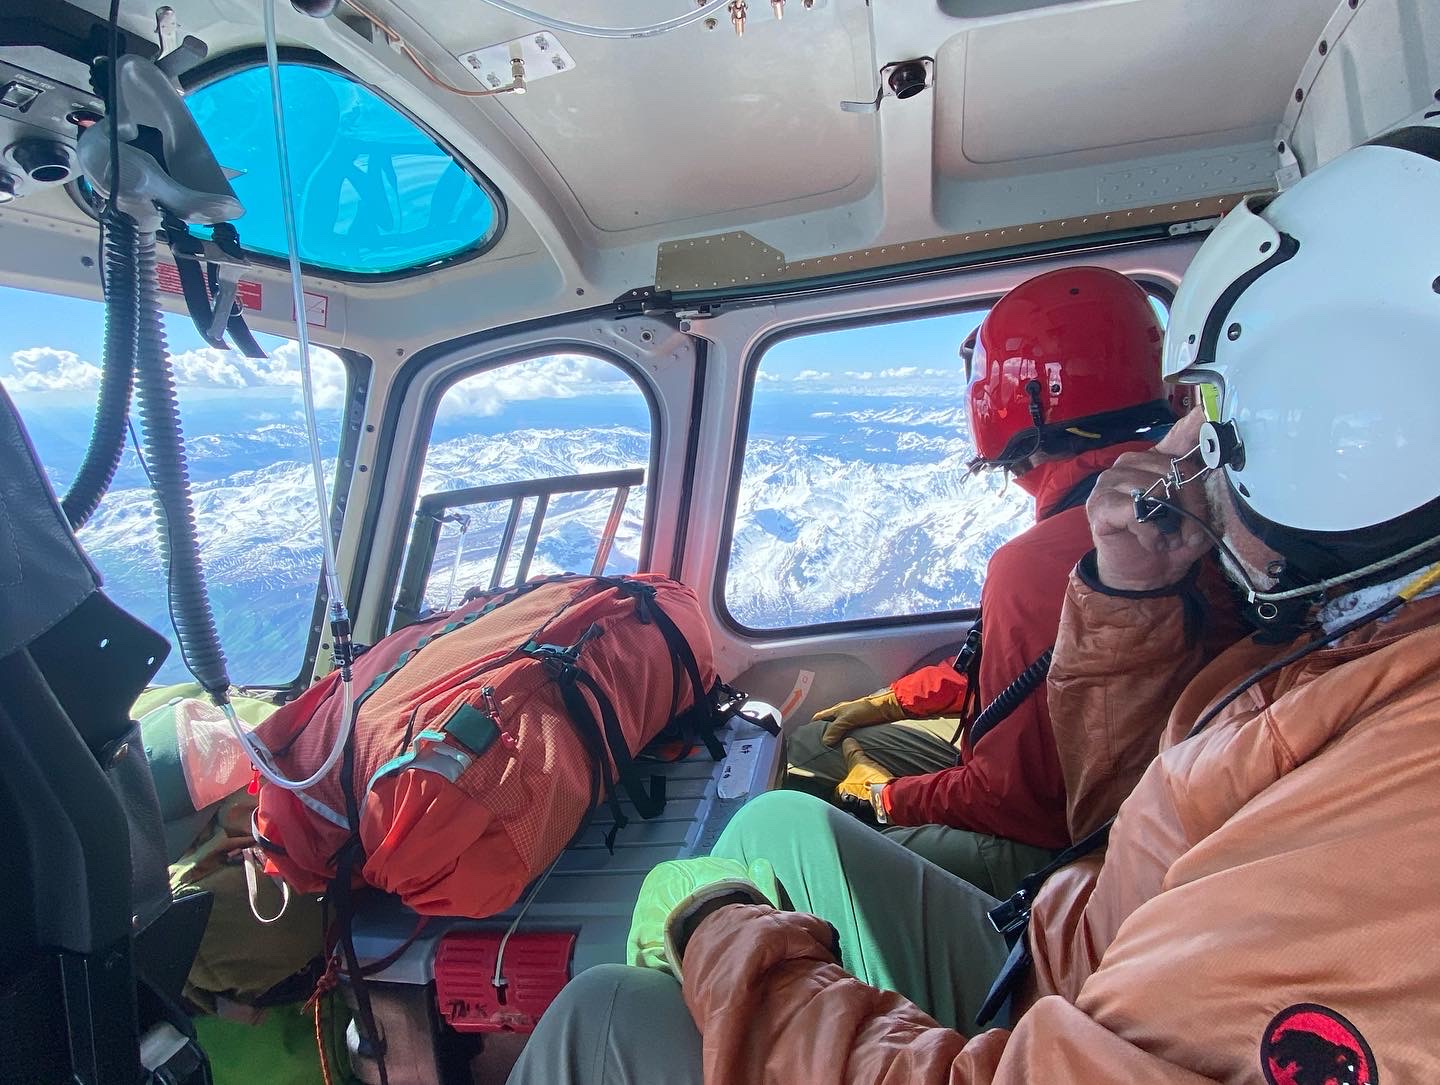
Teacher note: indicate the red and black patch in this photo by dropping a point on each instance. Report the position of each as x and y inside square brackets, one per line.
[1312, 1045]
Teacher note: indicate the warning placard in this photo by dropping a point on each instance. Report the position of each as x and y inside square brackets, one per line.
[317, 310]
[248, 293]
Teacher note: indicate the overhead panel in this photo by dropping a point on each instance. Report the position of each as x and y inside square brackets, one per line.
[700, 122]
[1112, 79]
[737, 261]
[1371, 68]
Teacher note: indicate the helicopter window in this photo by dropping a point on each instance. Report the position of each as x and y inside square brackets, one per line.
[249, 463]
[534, 467]
[854, 500]
[376, 193]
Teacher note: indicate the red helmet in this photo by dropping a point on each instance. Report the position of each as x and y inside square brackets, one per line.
[1066, 361]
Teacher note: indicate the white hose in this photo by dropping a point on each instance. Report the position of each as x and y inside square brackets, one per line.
[651, 30]
[259, 755]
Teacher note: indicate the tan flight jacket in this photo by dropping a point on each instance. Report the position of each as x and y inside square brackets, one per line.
[1288, 855]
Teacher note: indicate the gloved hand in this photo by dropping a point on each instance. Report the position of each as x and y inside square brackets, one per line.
[882, 706]
[676, 893]
[860, 791]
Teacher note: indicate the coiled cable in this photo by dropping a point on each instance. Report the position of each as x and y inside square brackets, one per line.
[164, 443]
[117, 374]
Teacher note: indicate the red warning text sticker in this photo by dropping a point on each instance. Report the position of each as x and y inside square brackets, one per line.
[248, 293]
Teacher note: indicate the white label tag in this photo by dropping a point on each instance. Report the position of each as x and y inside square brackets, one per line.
[739, 769]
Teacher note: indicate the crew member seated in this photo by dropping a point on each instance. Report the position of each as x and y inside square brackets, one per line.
[1064, 377]
[1263, 906]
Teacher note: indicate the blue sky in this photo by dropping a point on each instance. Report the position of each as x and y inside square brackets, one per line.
[929, 343]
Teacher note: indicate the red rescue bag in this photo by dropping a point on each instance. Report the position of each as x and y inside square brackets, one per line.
[483, 737]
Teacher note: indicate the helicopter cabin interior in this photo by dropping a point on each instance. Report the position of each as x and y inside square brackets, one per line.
[683, 297]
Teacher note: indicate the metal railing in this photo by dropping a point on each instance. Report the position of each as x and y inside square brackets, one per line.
[434, 512]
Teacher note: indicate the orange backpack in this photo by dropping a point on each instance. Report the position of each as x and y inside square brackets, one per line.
[483, 738]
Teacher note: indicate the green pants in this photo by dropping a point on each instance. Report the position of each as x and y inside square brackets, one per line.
[904, 925]
[914, 748]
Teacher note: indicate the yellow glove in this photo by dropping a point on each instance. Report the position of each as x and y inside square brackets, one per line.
[882, 706]
[865, 781]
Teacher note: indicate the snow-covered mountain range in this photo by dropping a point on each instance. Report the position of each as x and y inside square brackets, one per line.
[848, 509]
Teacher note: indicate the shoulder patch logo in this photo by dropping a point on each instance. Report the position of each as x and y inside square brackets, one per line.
[1313, 1045]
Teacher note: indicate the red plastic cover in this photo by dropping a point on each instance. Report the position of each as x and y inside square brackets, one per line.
[537, 965]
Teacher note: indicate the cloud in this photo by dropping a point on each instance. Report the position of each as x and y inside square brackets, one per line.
[207, 367]
[45, 369]
[560, 376]
[811, 375]
[900, 373]
[767, 378]
[867, 375]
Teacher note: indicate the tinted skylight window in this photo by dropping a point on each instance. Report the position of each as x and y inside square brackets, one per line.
[375, 193]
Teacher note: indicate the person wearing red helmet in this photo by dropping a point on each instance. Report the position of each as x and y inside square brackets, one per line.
[1063, 376]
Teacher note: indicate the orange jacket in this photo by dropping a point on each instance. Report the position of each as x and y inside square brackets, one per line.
[1267, 898]
[1011, 784]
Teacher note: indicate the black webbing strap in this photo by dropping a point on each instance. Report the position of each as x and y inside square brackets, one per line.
[197, 298]
[604, 741]
[187, 252]
[681, 656]
[967, 662]
[1012, 919]
[342, 894]
[593, 739]
[649, 803]
[235, 325]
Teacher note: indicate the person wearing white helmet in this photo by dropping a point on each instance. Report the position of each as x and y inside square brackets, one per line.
[1251, 896]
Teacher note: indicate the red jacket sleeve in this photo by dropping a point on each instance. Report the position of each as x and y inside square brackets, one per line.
[931, 691]
[1011, 784]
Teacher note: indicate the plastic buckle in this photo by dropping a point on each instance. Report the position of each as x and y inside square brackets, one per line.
[557, 661]
[1013, 915]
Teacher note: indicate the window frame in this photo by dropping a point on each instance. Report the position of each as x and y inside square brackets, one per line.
[425, 431]
[358, 371]
[250, 57]
[751, 367]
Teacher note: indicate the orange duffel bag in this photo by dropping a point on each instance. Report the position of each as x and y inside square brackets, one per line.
[484, 737]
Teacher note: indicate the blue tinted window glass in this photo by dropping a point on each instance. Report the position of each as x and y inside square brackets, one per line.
[374, 193]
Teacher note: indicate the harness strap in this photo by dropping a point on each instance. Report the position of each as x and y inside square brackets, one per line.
[1012, 919]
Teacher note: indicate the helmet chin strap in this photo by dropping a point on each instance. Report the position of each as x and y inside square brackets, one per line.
[1037, 406]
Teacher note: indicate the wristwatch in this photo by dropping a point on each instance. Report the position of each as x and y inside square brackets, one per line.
[877, 792]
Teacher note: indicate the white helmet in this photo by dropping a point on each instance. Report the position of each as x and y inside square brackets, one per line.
[1316, 314]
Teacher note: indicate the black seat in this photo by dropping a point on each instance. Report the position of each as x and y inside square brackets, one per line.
[92, 949]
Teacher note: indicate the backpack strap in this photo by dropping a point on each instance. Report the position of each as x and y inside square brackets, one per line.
[352, 854]
[604, 739]
[706, 714]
